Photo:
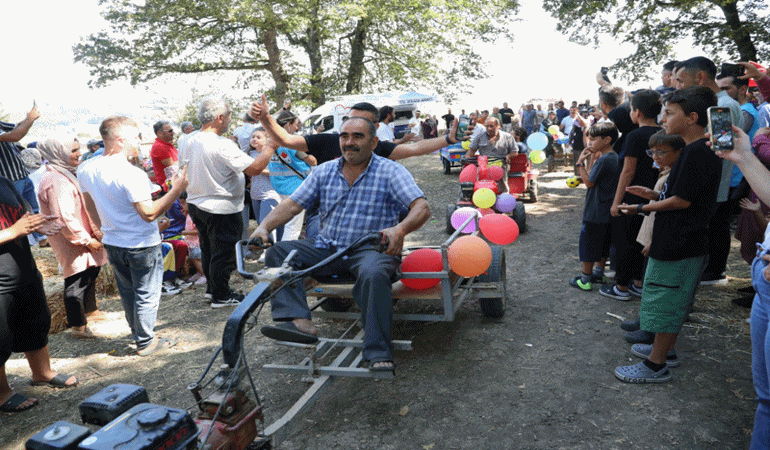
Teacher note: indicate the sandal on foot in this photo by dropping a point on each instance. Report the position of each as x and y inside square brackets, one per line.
[12, 404]
[640, 373]
[288, 332]
[58, 381]
[157, 345]
[97, 316]
[385, 366]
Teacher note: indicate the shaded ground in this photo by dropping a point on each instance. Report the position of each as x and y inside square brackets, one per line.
[539, 378]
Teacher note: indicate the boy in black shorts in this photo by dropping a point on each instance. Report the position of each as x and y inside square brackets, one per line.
[601, 179]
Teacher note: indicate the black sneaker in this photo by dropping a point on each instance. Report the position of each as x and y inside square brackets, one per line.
[713, 280]
[234, 299]
[611, 292]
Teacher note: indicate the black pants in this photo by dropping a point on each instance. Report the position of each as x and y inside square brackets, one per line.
[719, 240]
[24, 316]
[218, 235]
[80, 296]
[629, 261]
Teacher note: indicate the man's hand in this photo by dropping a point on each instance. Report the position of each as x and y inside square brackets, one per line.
[748, 205]
[179, 182]
[33, 114]
[262, 234]
[751, 72]
[396, 240]
[453, 130]
[259, 109]
[615, 210]
[763, 130]
[646, 250]
[628, 209]
[642, 191]
[50, 226]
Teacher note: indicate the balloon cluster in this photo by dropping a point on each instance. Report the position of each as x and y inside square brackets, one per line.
[497, 228]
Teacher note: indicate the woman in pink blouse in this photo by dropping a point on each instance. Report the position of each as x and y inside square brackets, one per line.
[77, 246]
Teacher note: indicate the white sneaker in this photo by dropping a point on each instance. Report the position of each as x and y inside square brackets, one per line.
[182, 284]
[168, 288]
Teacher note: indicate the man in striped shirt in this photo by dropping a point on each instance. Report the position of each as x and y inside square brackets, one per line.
[357, 194]
[11, 166]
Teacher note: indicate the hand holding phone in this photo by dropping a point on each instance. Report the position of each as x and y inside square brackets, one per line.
[720, 127]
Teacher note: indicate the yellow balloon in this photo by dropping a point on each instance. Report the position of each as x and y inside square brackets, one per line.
[537, 156]
[553, 129]
[466, 145]
[484, 198]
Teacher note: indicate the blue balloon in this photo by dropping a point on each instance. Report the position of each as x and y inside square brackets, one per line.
[537, 141]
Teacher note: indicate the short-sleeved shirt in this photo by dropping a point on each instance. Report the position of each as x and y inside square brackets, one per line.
[11, 165]
[16, 259]
[507, 114]
[326, 147]
[448, 118]
[621, 117]
[216, 181]
[683, 233]
[568, 123]
[636, 146]
[505, 145]
[115, 185]
[385, 133]
[162, 150]
[374, 202]
[604, 174]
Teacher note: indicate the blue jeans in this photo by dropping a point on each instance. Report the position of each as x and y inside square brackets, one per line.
[27, 190]
[138, 274]
[261, 209]
[760, 349]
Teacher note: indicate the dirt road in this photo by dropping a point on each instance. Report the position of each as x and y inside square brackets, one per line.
[539, 378]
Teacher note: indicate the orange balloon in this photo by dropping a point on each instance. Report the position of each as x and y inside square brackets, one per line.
[422, 260]
[499, 228]
[469, 256]
[468, 173]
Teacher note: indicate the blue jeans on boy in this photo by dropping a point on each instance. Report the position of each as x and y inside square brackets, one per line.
[139, 275]
[760, 348]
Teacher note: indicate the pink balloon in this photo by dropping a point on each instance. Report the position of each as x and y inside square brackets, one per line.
[495, 173]
[499, 228]
[486, 211]
[460, 216]
[468, 173]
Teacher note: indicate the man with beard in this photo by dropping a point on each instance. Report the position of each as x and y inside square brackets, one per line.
[356, 194]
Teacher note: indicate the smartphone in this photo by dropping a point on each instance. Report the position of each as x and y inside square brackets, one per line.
[183, 163]
[721, 128]
[461, 127]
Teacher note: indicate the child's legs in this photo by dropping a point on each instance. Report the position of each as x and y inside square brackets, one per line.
[594, 245]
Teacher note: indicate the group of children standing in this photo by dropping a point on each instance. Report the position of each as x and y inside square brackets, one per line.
[652, 203]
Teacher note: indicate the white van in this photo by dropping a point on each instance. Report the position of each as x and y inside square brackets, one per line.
[329, 117]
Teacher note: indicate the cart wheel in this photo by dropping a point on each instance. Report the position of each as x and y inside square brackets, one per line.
[333, 304]
[533, 191]
[450, 209]
[447, 166]
[494, 307]
[519, 215]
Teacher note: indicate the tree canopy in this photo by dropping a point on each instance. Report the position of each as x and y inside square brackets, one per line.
[738, 29]
[310, 50]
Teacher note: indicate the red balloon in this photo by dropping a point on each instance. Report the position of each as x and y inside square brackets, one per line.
[495, 173]
[499, 228]
[486, 211]
[468, 173]
[422, 260]
[469, 256]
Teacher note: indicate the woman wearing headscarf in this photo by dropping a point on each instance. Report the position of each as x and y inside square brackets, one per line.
[78, 248]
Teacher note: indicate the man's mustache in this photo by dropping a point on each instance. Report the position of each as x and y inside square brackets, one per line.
[351, 148]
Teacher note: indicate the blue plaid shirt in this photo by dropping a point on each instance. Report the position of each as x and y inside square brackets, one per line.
[374, 202]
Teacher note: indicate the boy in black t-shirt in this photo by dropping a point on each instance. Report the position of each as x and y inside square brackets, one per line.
[636, 170]
[600, 179]
[679, 247]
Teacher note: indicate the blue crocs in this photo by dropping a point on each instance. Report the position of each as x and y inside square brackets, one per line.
[644, 350]
[639, 374]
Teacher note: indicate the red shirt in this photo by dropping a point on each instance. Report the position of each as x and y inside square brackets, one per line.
[162, 150]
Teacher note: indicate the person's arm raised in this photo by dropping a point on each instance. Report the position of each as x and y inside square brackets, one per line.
[425, 146]
[22, 128]
[260, 111]
[150, 210]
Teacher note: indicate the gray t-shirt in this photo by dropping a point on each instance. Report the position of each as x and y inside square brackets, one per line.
[505, 144]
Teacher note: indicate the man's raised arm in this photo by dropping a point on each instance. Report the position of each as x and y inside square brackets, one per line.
[22, 128]
[260, 111]
[425, 146]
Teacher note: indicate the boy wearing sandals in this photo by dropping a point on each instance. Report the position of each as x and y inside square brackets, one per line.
[601, 178]
[679, 249]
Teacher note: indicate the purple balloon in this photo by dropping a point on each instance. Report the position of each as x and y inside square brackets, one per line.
[505, 202]
[460, 216]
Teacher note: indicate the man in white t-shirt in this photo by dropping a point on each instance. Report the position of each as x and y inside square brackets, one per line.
[118, 197]
[385, 132]
[215, 196]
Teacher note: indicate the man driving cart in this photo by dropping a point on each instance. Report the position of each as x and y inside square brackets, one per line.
[497, 144]
[357, 194]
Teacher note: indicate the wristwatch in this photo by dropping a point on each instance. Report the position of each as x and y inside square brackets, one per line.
[579, 165]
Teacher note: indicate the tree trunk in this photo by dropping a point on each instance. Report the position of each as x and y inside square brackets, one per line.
[740, 34]
[313, 49]
[282, 79]
[357, 50]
